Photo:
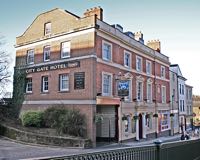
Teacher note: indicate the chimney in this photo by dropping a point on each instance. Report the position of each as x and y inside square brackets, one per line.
[154, 44]
[98, 11]
[139, 37]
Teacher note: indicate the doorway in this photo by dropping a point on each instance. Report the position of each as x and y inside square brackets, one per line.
[140, 127]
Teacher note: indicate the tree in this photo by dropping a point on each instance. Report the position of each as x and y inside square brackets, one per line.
[5, 61]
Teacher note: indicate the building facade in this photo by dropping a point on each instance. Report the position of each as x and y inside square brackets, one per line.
[196, 111]
[174, 102]
[83, 62]
[189, 106]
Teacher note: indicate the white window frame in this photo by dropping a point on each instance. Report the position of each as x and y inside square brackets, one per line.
[29, 84]
[163, 72]
[65, 49]
[137, 66]
[111, 84]
[46, 53]
[149, 100]
[30, 53]
[43, 84]
[107, 43]
[47, 28]
[137, 89]
[130, 64]
[163, 94]
[61, 80]
[148, 71]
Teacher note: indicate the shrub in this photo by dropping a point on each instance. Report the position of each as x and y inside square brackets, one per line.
[73, 123]
[32, 119]
[52, 116]
[65, 121]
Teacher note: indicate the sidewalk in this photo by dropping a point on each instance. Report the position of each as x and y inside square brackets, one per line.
[138, 143]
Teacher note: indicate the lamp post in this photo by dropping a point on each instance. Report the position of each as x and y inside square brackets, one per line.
[172, 117]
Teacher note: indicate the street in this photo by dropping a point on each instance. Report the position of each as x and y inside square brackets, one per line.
[13, 150]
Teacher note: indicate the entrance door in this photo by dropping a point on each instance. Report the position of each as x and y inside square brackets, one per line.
[106, 129]
[140, 126]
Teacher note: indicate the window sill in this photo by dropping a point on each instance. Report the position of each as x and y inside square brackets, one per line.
[44, 92]
[46, 60]
[65, 57]
[27, 93]
[63, 91]
[107, 60]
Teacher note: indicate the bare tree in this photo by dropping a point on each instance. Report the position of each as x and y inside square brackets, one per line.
[5, 72]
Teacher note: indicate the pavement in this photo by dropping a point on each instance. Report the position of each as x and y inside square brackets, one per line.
[10, 150]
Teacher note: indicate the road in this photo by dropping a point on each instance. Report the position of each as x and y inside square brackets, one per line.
[10, 150]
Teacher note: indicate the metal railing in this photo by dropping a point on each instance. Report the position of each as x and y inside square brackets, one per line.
[179, 150]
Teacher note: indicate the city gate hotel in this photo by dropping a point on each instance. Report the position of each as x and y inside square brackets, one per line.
[78, 62]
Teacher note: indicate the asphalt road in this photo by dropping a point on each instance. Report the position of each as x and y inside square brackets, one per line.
[10, 150]
[13, 151]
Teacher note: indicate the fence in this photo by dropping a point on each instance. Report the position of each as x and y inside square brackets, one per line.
[180, 150]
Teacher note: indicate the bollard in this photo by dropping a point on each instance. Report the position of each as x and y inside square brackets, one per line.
[158, 144]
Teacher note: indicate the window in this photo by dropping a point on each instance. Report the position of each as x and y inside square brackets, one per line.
[163, 94]
[183, 106]
[65, 49]
[139, 91]
[148, 122]
[129, 97]
[107, 51]
[139, 64]
[29, 85]
[174, 95]
[45, 84]
[183, 89]
[180, 88]
[30, 56]
[47, 53]
[173, 77]
[64, 82]
[47, 28]
[127, 59]
[164, 120]
[148, 67]
[107, 85]
[149, 92]
[162, 72]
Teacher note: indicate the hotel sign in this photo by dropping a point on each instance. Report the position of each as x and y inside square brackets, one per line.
[51, 67]
[123, 88]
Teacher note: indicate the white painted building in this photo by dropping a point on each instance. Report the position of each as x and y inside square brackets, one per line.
[181, 96]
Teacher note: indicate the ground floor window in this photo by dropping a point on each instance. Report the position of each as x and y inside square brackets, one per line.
[164, 120]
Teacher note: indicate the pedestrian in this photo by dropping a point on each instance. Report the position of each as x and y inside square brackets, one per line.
[187, 136]
[182, 136]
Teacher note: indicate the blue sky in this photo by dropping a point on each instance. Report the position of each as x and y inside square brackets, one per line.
[174, 22]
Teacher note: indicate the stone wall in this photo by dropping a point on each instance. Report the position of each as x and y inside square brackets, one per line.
[28, 137]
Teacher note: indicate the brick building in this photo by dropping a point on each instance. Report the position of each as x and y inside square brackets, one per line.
[79, 62]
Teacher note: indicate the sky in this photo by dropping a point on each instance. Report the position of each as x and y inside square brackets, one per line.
[176, 23]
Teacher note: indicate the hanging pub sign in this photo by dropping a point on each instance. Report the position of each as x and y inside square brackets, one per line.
[123, 88]
[79, 80]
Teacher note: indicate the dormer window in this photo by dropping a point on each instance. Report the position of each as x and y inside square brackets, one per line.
[47, 28]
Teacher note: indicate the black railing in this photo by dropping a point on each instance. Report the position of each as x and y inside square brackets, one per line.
[179, 150]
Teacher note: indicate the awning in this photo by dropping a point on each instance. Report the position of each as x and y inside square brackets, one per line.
[107, 101]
